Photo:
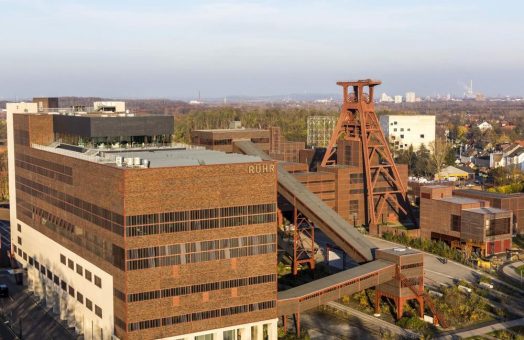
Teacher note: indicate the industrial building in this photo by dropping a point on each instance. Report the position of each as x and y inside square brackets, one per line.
[403, 131]
[268, 140]
[513, 202]
[470, 224]
[128, 236]
[141, 242]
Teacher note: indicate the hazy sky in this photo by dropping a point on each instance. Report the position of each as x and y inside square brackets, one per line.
[176, 48]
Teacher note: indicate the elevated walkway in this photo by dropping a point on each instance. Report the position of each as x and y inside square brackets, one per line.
[333, 287]
[326, 219]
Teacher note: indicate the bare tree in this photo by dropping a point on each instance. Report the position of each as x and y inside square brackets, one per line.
[439, 150]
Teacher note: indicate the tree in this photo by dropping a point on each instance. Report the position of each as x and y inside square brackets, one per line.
[423, 166]
[439, 153]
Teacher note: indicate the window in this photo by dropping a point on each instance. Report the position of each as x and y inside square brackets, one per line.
[71, 264]
[79, 269]
[98, 311]
[98, 281]
[62, 259]
[87, 275]
[31, 261]
[498, 226]
[24, 255]
[89, 304]
[395, 123]
[42, 269]
[422, 136]
[230, 335]
[63, 285]
[71, 291]
[19, 240]
[204, 337]
[401, 136]
[37, 264]
[395, 129]
[19, 227]
[56, 280]
[455, 222]
[409, 129]
[401, 129]
[79, 297]
[49, 274]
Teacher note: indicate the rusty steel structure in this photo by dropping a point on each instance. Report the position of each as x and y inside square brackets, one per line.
[303, 232]
[358, 122]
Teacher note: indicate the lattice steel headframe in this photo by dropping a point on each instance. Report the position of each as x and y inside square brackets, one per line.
[358, 122]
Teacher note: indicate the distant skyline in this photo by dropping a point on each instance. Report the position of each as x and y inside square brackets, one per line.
[174, 49]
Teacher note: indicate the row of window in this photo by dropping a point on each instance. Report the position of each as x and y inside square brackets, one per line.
[89, 241]
[85, 210]
[80, 270]
[192, 247]
[173, 320]
[46, 272]
[199, 288]
[201, 214]
[225, 222]
[413, 265]
[214, 255]
[48, 169]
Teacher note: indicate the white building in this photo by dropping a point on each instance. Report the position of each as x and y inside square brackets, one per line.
[484, 126]
[384, 98]
[405, 130]
[398, 99]
[411, 97]
[512, 156]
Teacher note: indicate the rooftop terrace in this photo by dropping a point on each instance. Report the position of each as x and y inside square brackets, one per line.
[149, 157]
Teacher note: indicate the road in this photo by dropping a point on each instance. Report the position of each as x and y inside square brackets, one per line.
[437, 272]
[35, 320]
[483, 330]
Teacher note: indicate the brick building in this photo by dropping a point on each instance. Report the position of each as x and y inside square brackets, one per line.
[513, 202]
[141, 242]
[270, 141]
[464, 222]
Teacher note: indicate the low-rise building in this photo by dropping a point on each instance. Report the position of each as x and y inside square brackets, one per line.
[464, 222]
[513, 202]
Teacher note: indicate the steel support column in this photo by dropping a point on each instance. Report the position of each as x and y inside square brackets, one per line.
[303, 232]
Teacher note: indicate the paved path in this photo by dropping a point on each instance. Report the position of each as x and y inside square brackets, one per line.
[484, 330]
[509, 270]
[445, 273]
[404, 333]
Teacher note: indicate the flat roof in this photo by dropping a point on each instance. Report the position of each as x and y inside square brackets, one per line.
[232, 130]
[459, 200]
[436, 186]
[487, 210]
[481, 193]
[399, 251]
[161, 158]
[157, 157]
